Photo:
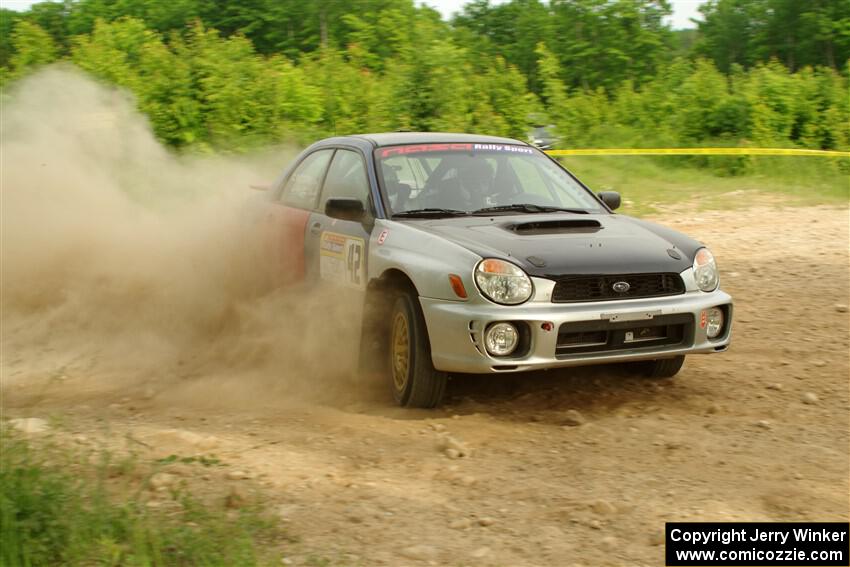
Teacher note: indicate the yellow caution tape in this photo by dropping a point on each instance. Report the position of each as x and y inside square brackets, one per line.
[698, 152]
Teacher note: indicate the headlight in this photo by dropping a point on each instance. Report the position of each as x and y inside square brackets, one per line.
[705, 270]
[502, 282]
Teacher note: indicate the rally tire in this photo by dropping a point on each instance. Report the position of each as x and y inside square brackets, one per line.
[664, 367]
[414, 381]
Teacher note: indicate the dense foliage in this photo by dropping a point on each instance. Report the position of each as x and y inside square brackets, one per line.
[213, 74]
[814, 32]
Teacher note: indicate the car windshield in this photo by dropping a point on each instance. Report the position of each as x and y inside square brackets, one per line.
[475, 177]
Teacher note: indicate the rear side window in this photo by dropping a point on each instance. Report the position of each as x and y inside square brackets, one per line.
[346, 179]
[302, 187]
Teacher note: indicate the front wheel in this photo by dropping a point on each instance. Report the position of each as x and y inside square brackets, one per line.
[663, 367]
[414, 381]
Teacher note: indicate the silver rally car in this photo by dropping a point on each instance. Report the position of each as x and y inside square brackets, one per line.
[476, 254]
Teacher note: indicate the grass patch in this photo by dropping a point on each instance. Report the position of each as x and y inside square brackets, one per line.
[69, 507]
[647, 183]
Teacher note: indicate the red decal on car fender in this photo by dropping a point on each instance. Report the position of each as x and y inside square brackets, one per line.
[287, 226]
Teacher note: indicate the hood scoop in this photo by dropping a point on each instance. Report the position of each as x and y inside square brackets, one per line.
[560, 226]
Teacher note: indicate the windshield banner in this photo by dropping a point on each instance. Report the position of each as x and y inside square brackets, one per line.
[420, 148]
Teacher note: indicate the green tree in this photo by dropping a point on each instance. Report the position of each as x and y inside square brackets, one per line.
[52, 17]
[729, 31]
[602, 43]
[33, 47]
[512, 30]
[553, 91]
[8, 19]
[744, 32]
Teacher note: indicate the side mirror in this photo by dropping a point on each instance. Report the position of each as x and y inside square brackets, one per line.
[345, 209]
[610, 198]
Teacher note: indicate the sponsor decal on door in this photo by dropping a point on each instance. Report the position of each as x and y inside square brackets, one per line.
[342, 259]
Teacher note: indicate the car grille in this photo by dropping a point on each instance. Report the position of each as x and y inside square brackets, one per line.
[588, 337]
[601, 288]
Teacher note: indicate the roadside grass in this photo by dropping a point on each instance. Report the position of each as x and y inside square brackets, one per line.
[64, 506]
[648, 184]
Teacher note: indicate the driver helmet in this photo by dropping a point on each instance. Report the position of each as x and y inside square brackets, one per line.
[476, 177]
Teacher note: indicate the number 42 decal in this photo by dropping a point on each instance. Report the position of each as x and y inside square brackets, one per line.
[341, 259]
[354, 262]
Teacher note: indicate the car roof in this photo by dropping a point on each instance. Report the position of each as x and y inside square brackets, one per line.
[398, 138]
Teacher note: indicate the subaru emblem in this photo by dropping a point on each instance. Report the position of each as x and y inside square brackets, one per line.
[621, 287]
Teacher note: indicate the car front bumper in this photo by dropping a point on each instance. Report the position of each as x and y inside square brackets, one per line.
[456, 330]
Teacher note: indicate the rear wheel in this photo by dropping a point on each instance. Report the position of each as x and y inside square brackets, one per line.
[662, 368]
[413, 379]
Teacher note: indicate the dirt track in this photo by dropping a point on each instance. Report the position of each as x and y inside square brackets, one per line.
[759, 433]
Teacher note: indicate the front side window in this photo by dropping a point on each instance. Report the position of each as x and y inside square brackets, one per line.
[467, 177]
[302, 187]
[346, 179]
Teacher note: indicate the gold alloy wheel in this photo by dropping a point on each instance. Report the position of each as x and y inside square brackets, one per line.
[400, 351]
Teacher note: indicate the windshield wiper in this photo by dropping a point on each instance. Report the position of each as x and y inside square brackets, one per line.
[527, 208]
[431, 212]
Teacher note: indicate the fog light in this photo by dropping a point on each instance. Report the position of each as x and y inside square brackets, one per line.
[501, 339]
[714, 322]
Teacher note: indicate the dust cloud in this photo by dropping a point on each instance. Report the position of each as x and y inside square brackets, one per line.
[127, 267]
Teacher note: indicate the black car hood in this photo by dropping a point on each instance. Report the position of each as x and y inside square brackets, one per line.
[558, 244]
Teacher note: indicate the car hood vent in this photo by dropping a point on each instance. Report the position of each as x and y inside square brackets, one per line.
[559, 226]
